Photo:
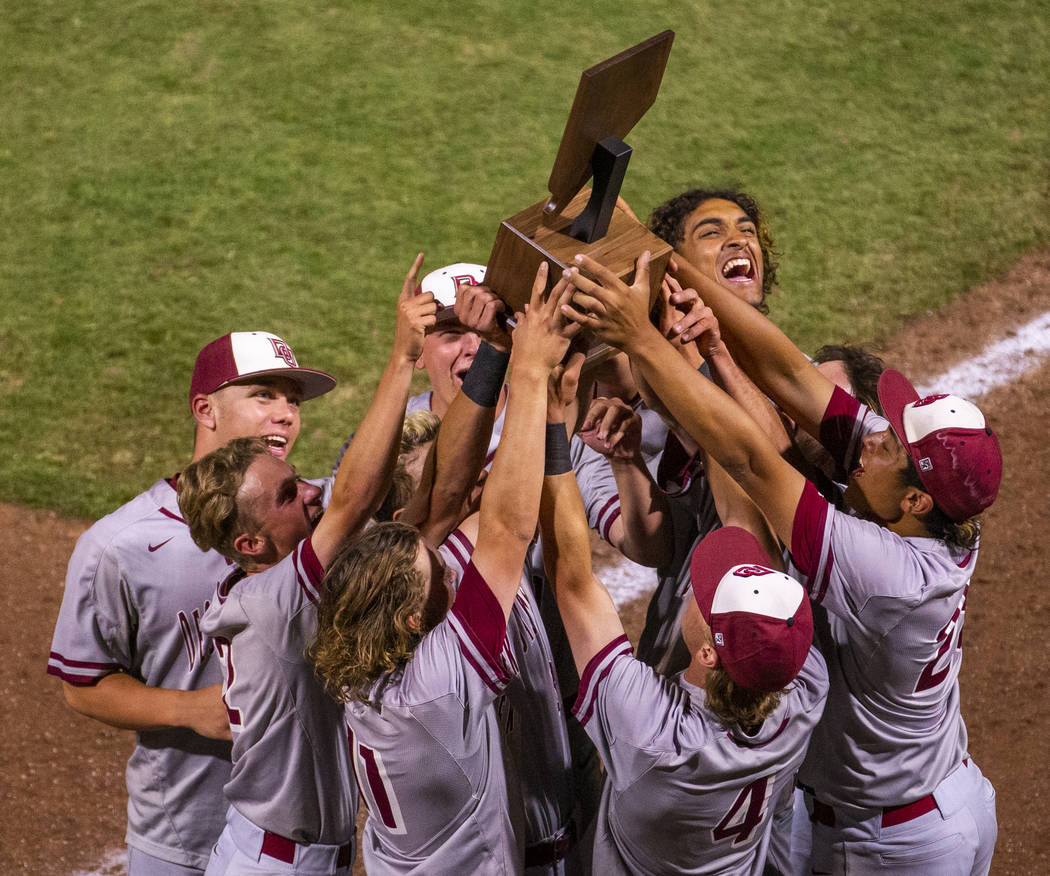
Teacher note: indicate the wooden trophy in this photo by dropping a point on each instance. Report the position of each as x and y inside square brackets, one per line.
[611, 98]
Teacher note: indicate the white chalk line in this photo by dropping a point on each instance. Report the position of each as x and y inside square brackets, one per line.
[114, 863]
[997, 365]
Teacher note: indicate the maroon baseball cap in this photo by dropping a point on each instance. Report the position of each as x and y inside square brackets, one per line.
[242, 355]
[955, 453]
[760, 619]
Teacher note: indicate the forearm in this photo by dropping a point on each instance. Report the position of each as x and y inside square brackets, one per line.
[588, 613]
[125, 702]
[365, 473]
[763, 351]
[728, 375]
[723, 429]
[511, 498]
[645, 531]
[461, 446]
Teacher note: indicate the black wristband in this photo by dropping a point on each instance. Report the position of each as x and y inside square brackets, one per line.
[556, 459]
[483, 383]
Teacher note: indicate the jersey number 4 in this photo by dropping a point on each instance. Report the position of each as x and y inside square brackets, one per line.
[746, 814]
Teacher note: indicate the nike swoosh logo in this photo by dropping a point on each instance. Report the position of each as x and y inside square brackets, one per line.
[156, 547]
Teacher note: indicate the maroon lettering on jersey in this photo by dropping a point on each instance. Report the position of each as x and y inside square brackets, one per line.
[950, 635]
[746, 814]
[283, 351]
[198, 646]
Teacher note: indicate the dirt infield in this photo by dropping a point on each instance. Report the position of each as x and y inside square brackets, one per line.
[63, 788]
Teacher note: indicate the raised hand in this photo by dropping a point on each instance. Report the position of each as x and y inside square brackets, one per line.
[615, 312]
[480, 309]
[562, 386]
[543, 332]
[612, 428]
[415, 314]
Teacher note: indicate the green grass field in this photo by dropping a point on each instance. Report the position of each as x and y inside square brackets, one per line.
[169, 172]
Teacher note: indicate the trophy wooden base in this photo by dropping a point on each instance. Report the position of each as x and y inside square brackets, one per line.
[524, 241]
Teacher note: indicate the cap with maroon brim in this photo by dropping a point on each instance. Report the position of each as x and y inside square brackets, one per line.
[760, 619]
[956, 454]
[241, 356]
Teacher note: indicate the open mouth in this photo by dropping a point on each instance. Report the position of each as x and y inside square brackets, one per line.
[277, 443]
[739, 270]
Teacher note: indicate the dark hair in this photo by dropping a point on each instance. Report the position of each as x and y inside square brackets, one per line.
[667, 222]
[862, 367]
[962, 534]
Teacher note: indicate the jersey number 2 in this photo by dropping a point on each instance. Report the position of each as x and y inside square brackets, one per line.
[746, 813]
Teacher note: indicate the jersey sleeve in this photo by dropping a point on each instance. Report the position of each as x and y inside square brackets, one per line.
[481, 629]
[855, 568]
[594, 474]
[624, 706]
[93, 631]
[846, 421]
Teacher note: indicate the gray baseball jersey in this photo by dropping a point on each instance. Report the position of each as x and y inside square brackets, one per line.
[530, 711]
[894, 614]
[136, 589]
[290, 769]
[683, 794]
[429, 758]
[693, 515]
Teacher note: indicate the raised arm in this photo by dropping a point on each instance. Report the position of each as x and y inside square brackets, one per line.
[763, 351]
[511, 499]
[618, 314]
[364, 475]
[724, 369]
[587, 611]
[643, 532]
[458, 454]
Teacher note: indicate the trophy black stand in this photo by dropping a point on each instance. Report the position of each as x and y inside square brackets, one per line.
[611, 98]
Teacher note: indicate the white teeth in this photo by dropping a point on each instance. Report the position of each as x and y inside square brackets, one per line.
[275, 440]
[733, 264]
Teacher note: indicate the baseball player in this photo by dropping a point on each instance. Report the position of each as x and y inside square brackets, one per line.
[421, 678]
[723, 233]
[292, 804]
[694, 764]
[890, 783]
[128, 645]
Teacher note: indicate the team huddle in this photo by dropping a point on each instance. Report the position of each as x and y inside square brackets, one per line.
[421, 635]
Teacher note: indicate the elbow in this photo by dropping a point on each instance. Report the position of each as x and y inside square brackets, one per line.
[78, 697]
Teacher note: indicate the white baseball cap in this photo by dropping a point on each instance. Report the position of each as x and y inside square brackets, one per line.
[444, 282]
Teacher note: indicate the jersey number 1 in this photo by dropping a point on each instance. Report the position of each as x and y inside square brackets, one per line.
[371, 773]
[746, 813]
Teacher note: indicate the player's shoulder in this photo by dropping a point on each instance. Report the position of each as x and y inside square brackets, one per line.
[810, 687]
[148, 528]
[431, 674]
[282, 591]
[419, 402]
